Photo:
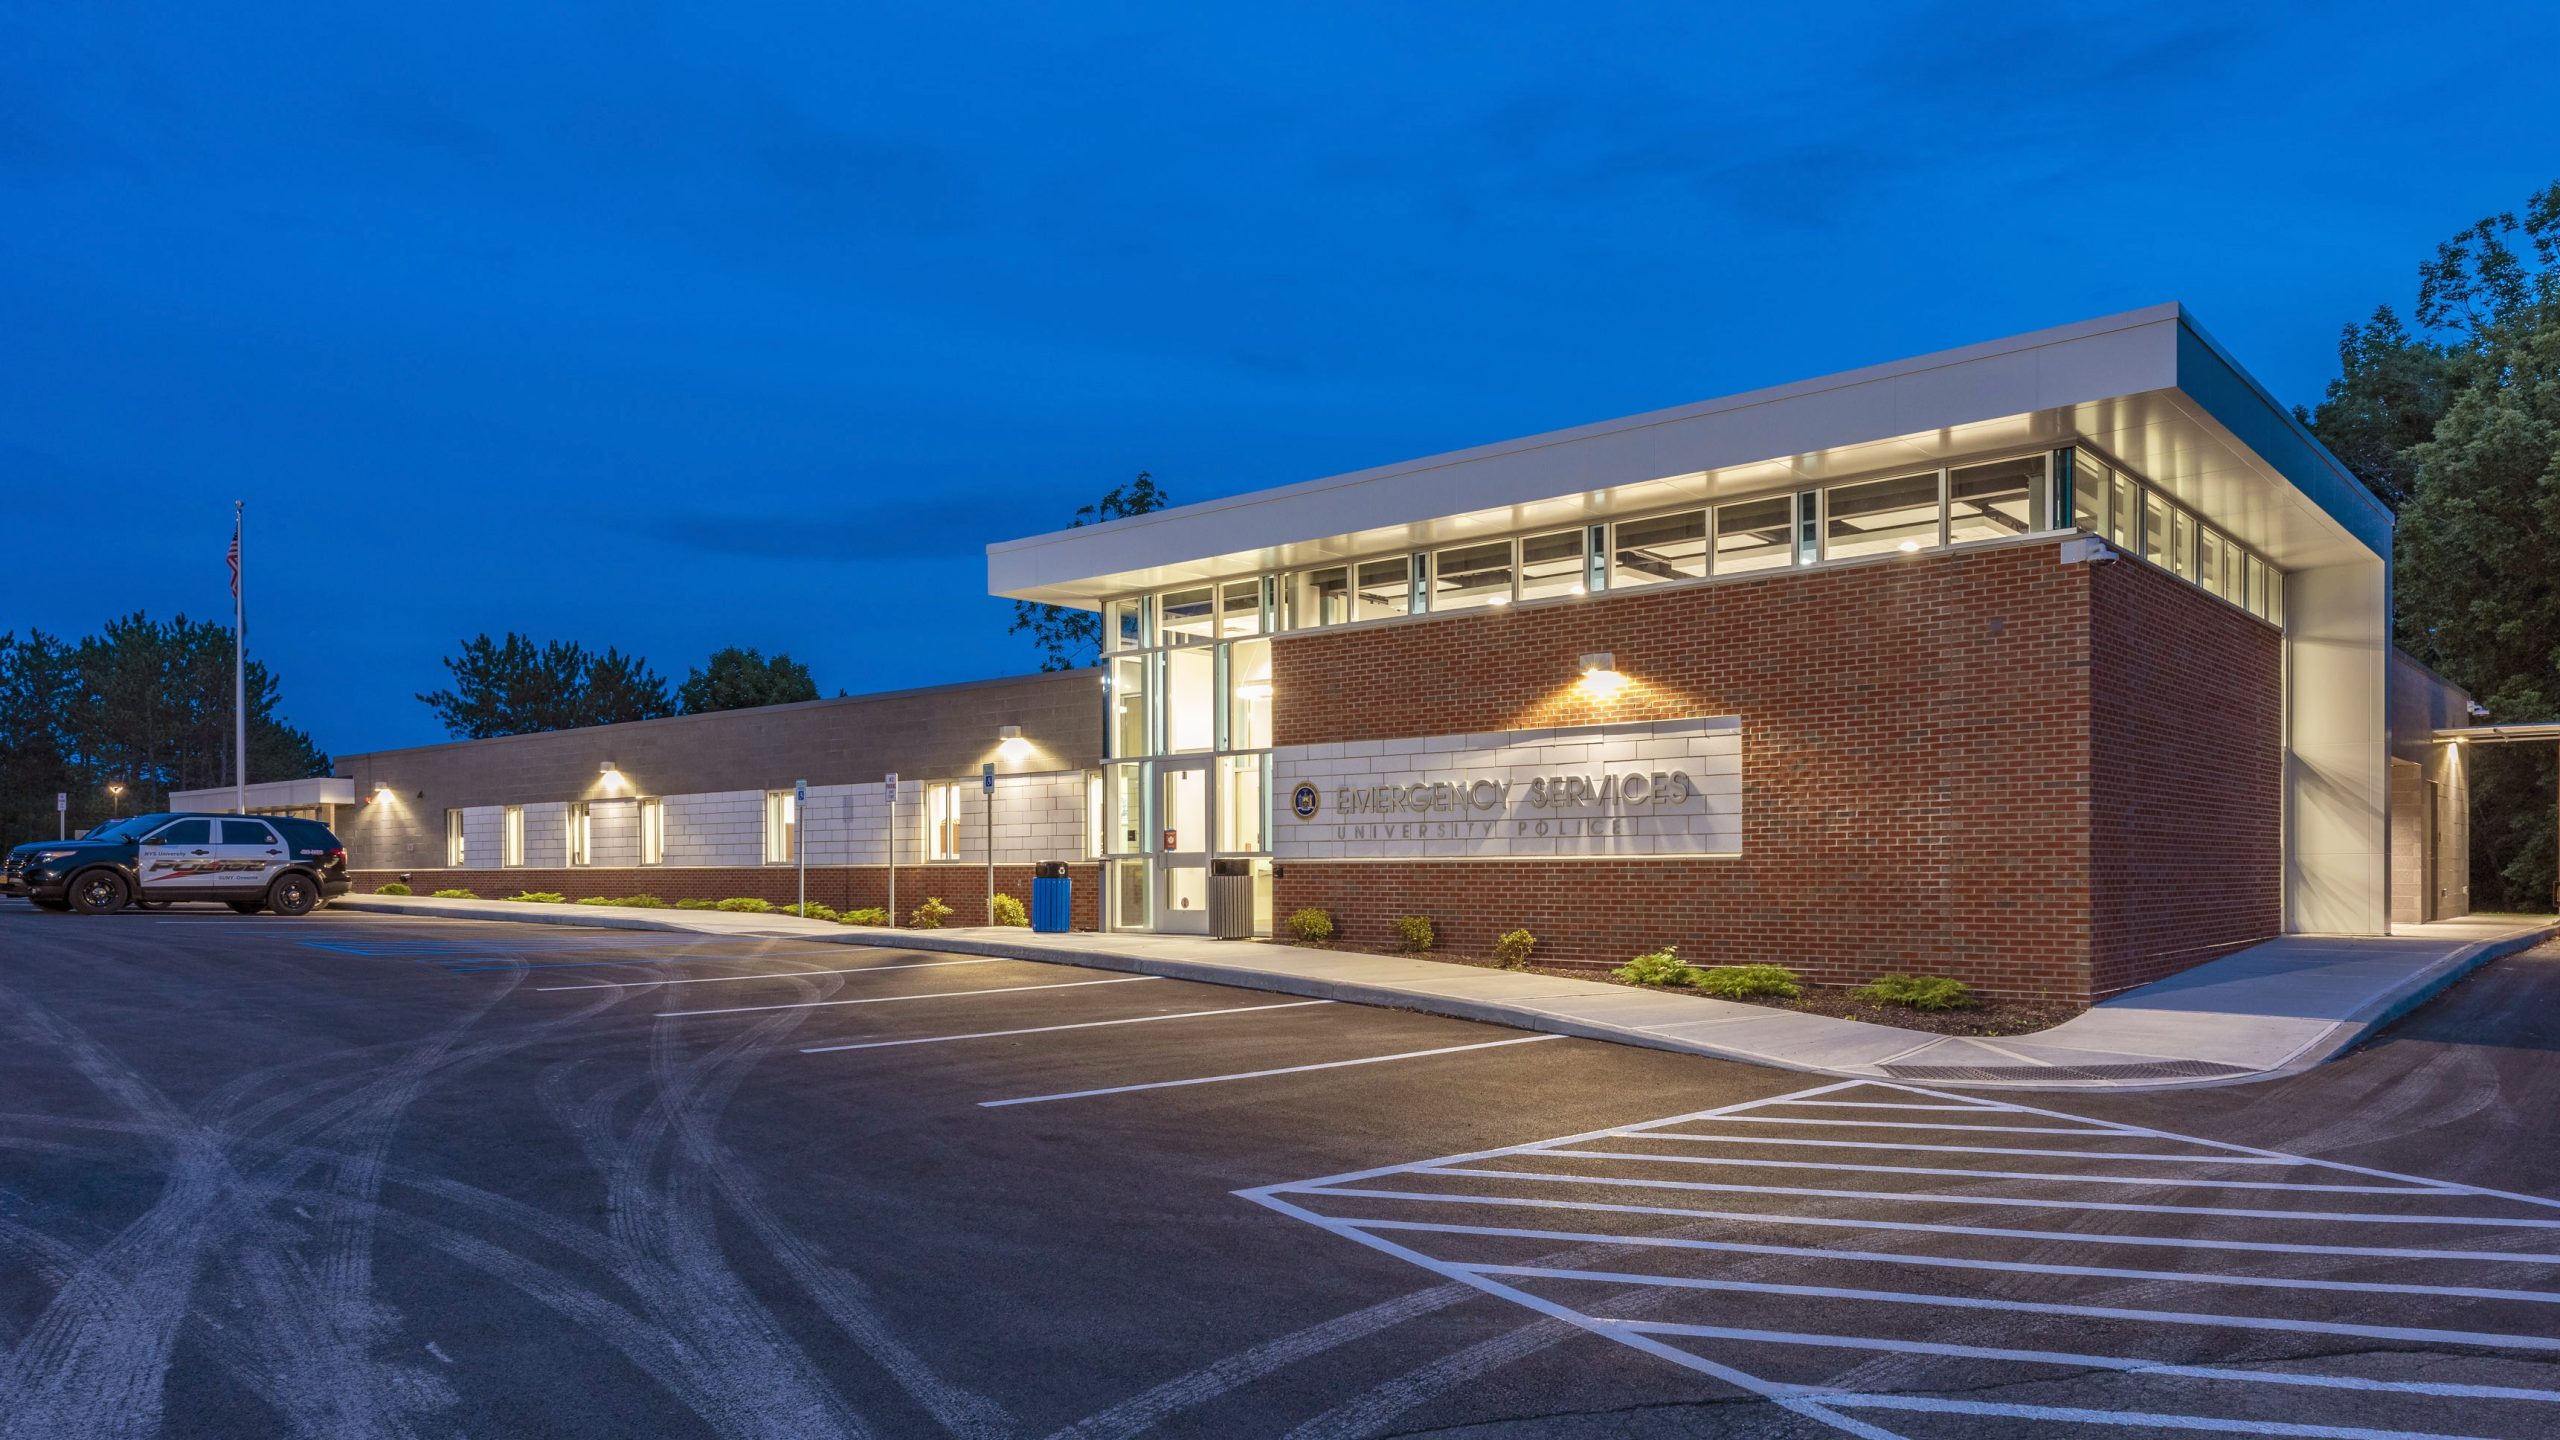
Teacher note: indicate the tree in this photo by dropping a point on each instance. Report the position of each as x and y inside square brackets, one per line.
[518, 687]
[142, 704]
[2461, 420]
[1071, 639]
[736, 679]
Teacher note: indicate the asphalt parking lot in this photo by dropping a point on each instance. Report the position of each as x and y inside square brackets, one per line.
[363, 1175]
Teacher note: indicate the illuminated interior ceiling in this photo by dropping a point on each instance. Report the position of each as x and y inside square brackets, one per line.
[2147, 389]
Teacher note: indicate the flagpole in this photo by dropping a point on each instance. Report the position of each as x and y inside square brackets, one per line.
[239, 664]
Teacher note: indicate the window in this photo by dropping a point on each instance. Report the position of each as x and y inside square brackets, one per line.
[653, 832]
[1186, 616]
[1553, 565]
[248, 832]
[2091, 480]
[1995, 501]
[2155, 530]
[1124, 799]
[1472, 576]
[186, 832]
[1240, 607]
[2124, 514]
[1244, 804]
[2211, 564]
[781, 827]
[2182, 545]
[1128, 701]
[1128, 886]
[942, 805]
[1191, 700]
[2270, 593]
[1667, 547]
[582, 834]
[1753, 534]
[1320, 597]
[1386, 588]
[1249, 695]
[1881, 517]
[1092, 816]
[456, 852]
[1125, 623]
[511, 836]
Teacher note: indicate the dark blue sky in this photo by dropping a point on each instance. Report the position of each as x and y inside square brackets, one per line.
[670, 326]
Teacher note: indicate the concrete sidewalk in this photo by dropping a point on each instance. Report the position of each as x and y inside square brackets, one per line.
[2272, 1009]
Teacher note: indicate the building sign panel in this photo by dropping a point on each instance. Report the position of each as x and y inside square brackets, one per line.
[1665, 787]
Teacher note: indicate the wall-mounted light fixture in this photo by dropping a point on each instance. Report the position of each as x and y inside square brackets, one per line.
[612, 778]
[381, 791]
[1600, 675]
[1010, 743]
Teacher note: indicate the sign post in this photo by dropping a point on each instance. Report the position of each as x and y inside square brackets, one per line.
[890, 784]
[987, 784]
[800, 838]
[62, 814]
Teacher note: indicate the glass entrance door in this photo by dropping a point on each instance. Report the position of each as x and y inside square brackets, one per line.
[1182, 861]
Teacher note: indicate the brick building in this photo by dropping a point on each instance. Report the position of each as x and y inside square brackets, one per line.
[2057, 664]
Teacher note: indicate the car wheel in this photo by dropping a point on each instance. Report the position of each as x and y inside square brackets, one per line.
[293, 895]
[99, 892]
[247, 907]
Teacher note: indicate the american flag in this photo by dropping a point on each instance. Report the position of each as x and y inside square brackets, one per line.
[233, 559]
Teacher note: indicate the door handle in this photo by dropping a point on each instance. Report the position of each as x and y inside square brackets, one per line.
[275, 852]
[199, 852]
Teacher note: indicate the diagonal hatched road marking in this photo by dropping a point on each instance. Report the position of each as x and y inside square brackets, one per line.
[2210, 1284]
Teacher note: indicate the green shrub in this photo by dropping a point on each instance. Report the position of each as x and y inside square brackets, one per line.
[455, 895]
[692, 904]
[1741, 982]
[1511, 952]
[1413, 932]
[867, 915]
[744, 905]
[1659, 967]
[929, 915]
[812, 911]
[641, 902]
[1916, 992]
[1005, 910]
[1311, 925]
[593, 900]
[395, 888]
[539, 897]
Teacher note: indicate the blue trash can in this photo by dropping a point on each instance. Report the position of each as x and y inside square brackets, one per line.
[1052, 898]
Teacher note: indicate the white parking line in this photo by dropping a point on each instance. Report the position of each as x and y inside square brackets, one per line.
[1045, 1029]
[773, 975]
[1837, 1296]
[1260, 1074]
[892, 999]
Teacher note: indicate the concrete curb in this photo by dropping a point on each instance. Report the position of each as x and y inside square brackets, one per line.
[1305, 987]
[1845, 1039]
[2421, 987]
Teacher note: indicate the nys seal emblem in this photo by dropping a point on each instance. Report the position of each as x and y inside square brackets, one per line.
[1306, 800]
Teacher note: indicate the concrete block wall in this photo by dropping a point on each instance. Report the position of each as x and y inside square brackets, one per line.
[614, 833]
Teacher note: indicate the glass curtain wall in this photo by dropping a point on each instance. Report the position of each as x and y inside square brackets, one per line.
[1187, 714]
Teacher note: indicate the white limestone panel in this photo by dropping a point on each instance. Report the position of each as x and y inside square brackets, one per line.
[1668, 787]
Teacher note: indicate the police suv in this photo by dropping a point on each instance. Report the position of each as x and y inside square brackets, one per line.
[250, 862]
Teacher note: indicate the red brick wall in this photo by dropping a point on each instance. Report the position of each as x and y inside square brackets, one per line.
[2187, 773]
[1914, 751]
[962, 887]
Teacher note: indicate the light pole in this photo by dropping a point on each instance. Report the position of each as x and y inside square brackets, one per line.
[115, 801]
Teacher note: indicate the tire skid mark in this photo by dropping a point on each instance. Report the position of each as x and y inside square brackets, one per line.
[730, 1358]
[844, 1298]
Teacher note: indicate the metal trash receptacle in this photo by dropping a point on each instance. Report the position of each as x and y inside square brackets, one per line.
[1230, 899]
[1053, 895]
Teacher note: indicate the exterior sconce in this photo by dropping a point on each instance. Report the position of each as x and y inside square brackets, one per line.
[612, 778]
[1600, 677]
[1010, 743]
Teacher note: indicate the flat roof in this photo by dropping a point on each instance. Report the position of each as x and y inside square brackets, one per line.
[2147, 387]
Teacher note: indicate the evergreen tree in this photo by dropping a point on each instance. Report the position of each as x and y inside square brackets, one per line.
[516, 686]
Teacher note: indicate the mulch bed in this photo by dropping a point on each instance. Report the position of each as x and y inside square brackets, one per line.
[1987, 1016]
